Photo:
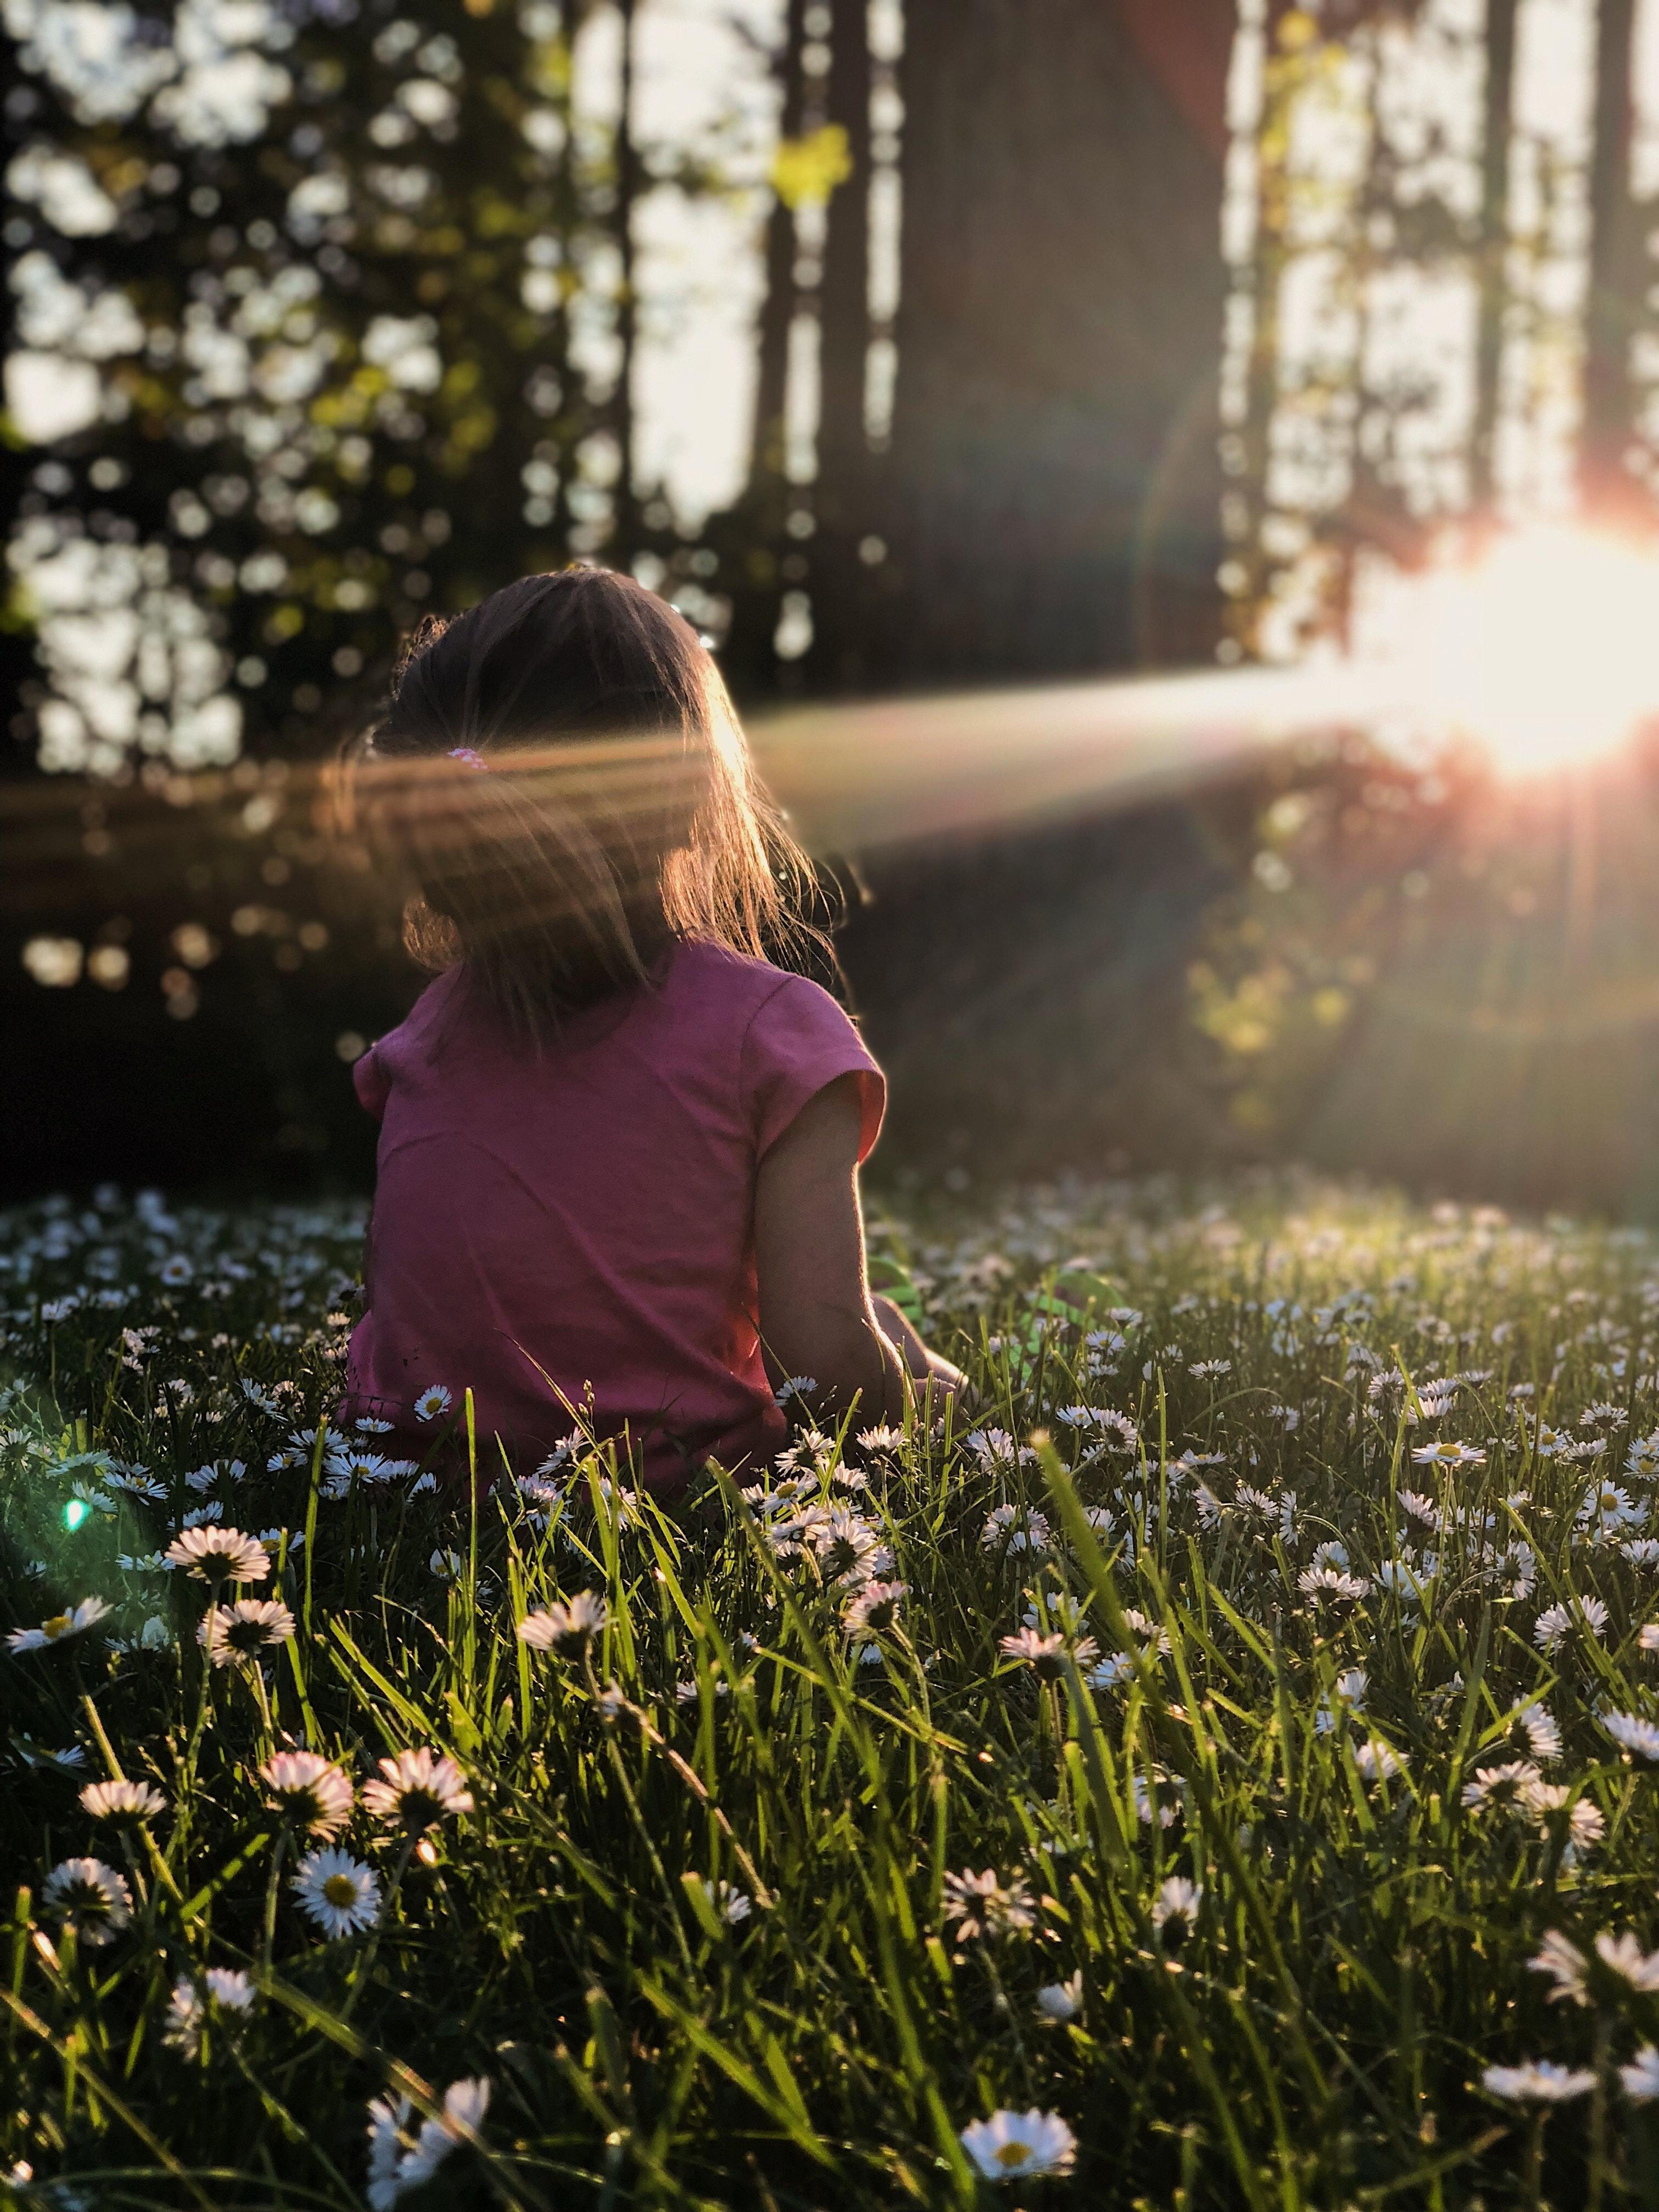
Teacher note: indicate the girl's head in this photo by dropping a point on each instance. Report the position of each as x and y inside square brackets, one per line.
[562, 782]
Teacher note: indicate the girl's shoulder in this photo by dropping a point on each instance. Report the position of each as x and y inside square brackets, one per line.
[738, 982]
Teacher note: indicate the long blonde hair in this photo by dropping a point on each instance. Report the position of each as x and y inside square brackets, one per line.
[563, 785]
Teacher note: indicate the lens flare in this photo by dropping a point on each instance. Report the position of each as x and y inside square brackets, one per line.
[75, 1513]
[1543, 650]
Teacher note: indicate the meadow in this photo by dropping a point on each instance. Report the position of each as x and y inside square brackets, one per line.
[1216, 1772]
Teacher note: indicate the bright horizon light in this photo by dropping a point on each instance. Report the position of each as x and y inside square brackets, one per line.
[1544, 650]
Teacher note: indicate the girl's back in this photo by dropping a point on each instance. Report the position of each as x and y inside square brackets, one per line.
[570, 1231]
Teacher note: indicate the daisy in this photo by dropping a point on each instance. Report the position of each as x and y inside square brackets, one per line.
[874, 1610]
[1061, 2001]
[136, 1482]
[1543, 1735]
[122, 1800]
[1539, 2081]
[1623, 1956]
[309, 1791]
[1048, 1654]
[228, 1990]
[1642, 1551]
[1447, 1455]
[1641, 2077]
[234, 1634]
[1639, 1738]
[419, 1788]
[849, 1548]
[336, 1892]
[1565, 1965]
[432, 1400]
[219, 1555]
[1378, 1761]
[1320, 1583]
[371, 1424]
[61, 1628]
[1501, 1785]
[731, 1905]
[983, 1907]
[1648, 1637]
[1177, 1899]
[1017, 2146]
[88, 1897]
[576, 1621]
[399, 2161]
[883, 1438]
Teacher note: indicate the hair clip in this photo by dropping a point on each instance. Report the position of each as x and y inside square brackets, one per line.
[466, 753]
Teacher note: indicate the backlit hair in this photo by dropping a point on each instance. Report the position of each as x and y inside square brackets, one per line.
[562, 781]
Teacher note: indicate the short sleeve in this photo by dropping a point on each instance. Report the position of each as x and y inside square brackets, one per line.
[370, 1081]
[798, 1042]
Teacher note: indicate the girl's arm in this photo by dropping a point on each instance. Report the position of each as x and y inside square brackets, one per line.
[817, 1316]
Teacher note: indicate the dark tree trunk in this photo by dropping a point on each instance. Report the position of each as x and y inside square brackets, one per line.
[625, 531]
[1615, 274]
[1052, 495]
[843, 493]
[1497, 125]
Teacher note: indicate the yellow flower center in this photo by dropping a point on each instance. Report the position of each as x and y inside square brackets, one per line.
[1011, 2155]
[340, 1890]
[59, 1624]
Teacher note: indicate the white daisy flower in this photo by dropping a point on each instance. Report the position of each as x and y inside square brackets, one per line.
[1507, 1785]
[309, 1791]
[62, 1628]
[122, 1800]
[219, 1555]
[1539, 2081]
[336, 1892]
[731, 1905]
[228, 1991]
[873, 1610]
[1447, 1455]
[1565, 1965]
[417, 1788]
[1640, 2079]
[574, 1621]
[1321, 1583]
[432, 1400]
[1177, 1899]
[236, 1634]
[1648, 1637]
[1623, 1956]
[1633, 1734]
[398, 2162]
[982, 1905]
[1017, 2146]
[88, 1897]
[1378, 1761]
[1542, 1734]
[1061, 2001]
[1048, 1654]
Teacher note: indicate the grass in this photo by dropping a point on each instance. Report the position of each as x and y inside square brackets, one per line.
[700, 1929]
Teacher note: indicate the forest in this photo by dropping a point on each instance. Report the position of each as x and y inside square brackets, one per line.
[909, 350]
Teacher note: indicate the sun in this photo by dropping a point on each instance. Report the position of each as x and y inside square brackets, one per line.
[1544, 650]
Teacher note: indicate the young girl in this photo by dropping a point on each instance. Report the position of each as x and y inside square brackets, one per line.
[617, 1182]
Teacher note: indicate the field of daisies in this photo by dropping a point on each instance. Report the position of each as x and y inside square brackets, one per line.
[1220, 1770]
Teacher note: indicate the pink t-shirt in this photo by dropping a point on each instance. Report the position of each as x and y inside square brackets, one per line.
[575, 1229]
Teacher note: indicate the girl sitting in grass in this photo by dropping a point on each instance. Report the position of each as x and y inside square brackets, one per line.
[617, 1182]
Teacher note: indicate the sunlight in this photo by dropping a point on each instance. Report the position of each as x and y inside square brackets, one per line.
[1542, 651]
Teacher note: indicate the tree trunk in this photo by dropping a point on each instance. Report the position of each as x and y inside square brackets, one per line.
[1053, 493]
[1615, 276]
[1497, 125]
[625, 526]
[843, 507]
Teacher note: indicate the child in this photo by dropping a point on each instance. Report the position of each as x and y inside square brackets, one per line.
[618, 1169]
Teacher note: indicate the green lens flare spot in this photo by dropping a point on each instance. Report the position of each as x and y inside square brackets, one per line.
[75, 1513]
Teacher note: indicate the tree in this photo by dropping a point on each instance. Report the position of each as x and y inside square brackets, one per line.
[1050, 498]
